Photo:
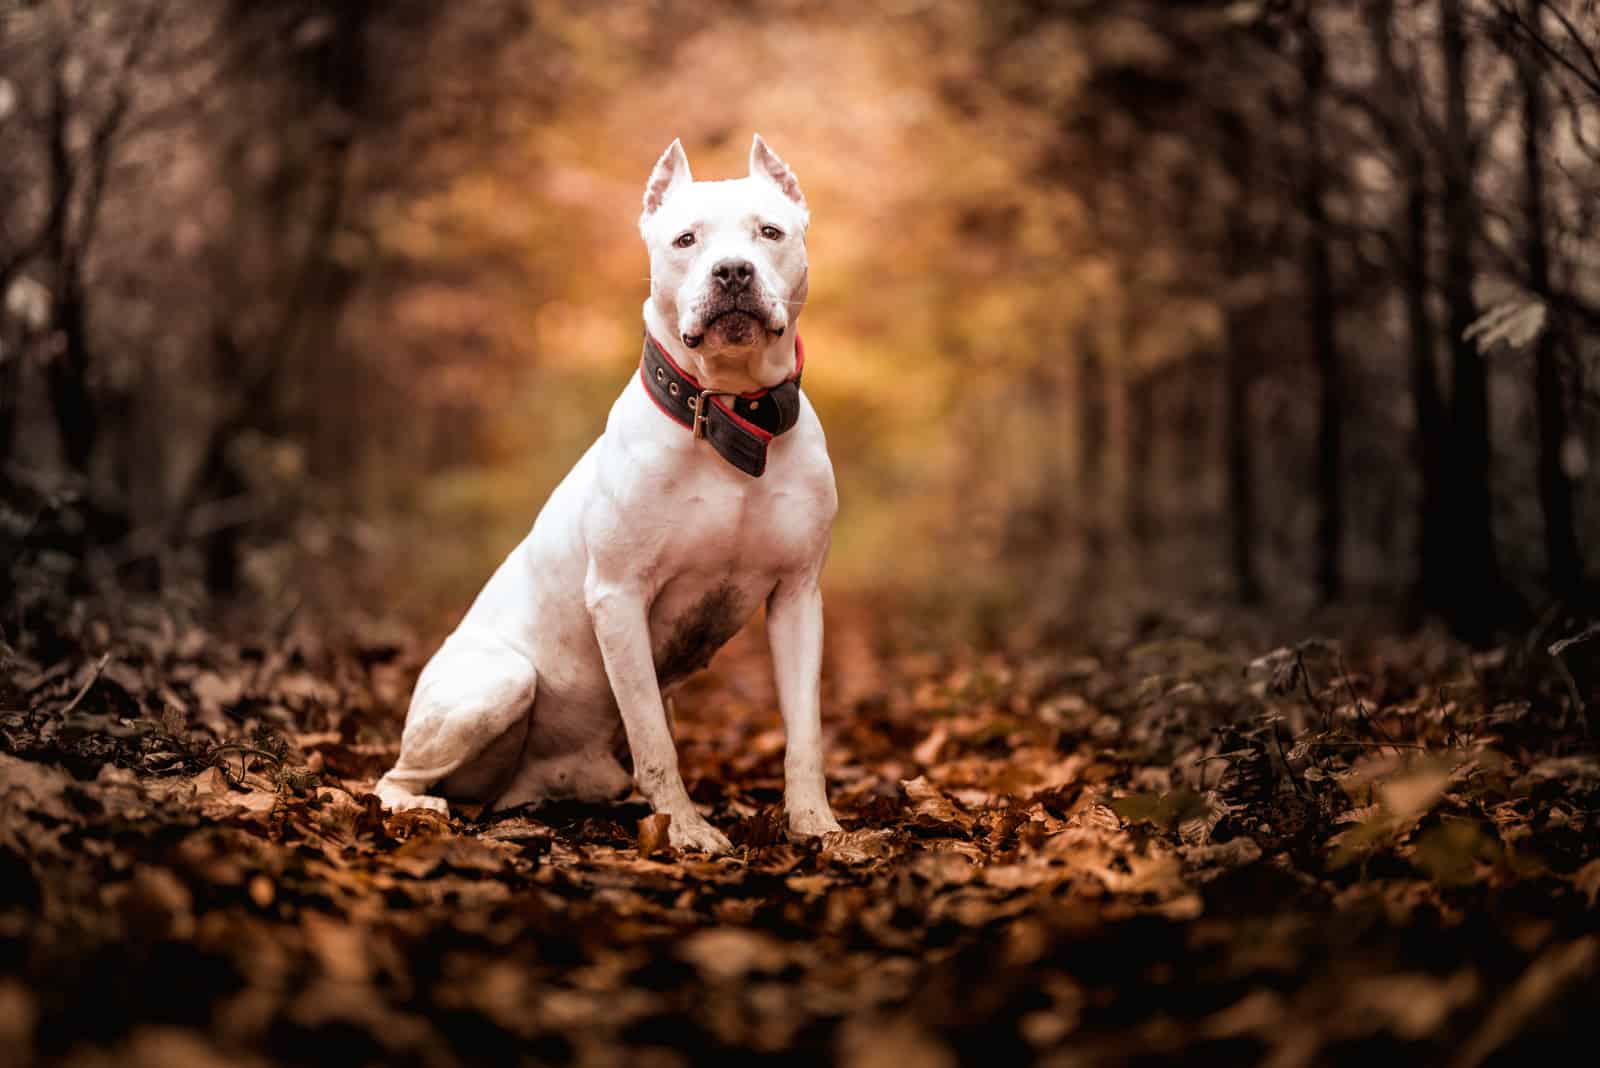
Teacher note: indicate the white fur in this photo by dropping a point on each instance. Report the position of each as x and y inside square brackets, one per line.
[651, 527]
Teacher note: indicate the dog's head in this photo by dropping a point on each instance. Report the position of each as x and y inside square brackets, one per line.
[727, 259]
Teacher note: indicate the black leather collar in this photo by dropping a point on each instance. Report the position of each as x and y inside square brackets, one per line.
[739, 426]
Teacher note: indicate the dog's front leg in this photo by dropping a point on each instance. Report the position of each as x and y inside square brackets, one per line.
[794, 631]
[621, 624]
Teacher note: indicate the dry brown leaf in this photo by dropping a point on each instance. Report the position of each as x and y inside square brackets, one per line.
[931, 804]
[1545, 978]
[809, 885]
[723, 953]
[154, 905]
[423, 856]
[1260, 1012]
[1409, 795]
[28, 787]
[18, 1013]
[1587, 880]
[1413, 1005]
[652, 837]
[855, 847]
[865, 1043]
[1026, 876]
[219, 801]
[928, 750]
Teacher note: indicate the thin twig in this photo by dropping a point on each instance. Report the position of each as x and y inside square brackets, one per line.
[94, 677]
[1557, 653]
[1361, 706]
[1294, 780]
[245, 753]
[1530, 34]
[1367, 745]
[1344, 677]
[1591, 631]
[1305, 686]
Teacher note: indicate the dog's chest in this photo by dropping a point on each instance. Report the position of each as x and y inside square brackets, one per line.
[694, 617]
[726, 555]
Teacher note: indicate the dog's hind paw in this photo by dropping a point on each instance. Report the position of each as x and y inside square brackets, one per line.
[399, 799]
[810, 823]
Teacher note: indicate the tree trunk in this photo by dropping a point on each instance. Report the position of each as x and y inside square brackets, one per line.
[1141, 429]
[1476, 591]
[1238, 368]
[67, 375]
[1431, 433]
[10, 375]
[1241, 476]
[1563, 560]
[1321, 319]
[1431, 443]
[1195, 386]
[1091, 454]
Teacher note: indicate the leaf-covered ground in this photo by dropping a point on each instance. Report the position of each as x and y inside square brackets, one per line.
[1134, 845]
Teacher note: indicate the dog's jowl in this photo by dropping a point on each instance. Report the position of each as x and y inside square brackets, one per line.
[709, 494]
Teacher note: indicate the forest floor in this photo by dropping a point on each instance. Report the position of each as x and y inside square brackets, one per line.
[1137, 845]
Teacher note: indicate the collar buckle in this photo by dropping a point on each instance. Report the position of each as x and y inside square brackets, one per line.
[702, 410]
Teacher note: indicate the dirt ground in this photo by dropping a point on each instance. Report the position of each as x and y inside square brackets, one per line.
[1143, 845]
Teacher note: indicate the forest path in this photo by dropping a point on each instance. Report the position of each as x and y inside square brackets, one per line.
[1079, 853]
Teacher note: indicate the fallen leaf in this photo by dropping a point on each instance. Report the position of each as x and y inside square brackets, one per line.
[932, 806]
[1407, 796]
[652, 837]
[928, 750]
[723, 953]
[1544, 979]
[1587, 880]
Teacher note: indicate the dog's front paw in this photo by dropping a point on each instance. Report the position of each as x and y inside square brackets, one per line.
[691, 831]
[812, 823]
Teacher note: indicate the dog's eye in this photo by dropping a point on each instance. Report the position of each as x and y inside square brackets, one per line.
[771, 233]
[683, 240]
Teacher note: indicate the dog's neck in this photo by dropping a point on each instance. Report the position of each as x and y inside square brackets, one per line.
[744, 372]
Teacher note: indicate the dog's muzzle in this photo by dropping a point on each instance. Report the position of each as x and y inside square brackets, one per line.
[733, 290]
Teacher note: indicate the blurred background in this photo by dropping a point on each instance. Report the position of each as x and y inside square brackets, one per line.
[1242, 302]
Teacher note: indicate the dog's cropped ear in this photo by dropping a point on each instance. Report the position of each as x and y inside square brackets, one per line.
[764, 163]
[672, 171]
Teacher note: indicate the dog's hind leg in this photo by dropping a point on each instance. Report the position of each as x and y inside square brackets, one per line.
[473, 691]
[591, 775]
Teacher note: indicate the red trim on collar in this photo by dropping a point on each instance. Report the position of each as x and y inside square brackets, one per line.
[682, 420]
[799, 365]
[764, 435]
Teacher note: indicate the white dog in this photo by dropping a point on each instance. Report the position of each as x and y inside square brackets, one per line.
[709, 493]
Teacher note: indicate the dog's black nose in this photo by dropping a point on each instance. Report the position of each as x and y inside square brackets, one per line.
[733, 275]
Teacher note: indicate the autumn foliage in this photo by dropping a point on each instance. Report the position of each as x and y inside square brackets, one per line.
[1150, 842]
[1212, 667]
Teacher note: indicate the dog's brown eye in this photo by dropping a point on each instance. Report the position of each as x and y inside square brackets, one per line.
[683, 240]
[771, 233]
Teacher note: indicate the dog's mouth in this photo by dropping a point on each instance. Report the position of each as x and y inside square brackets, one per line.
[735, 324]
[734, 327]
